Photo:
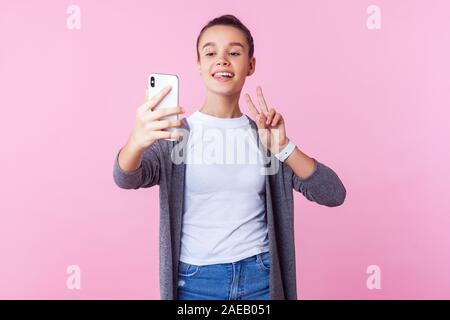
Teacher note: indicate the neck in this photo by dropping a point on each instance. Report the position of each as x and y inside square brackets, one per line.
[221, 106]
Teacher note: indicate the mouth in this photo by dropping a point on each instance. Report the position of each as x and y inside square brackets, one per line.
[223, 76]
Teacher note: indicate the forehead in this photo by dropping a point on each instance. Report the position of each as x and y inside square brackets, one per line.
[222, 36]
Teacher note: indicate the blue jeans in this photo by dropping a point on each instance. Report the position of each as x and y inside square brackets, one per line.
[247, 279]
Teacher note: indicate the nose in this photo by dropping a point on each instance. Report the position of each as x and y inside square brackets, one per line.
[222, 61]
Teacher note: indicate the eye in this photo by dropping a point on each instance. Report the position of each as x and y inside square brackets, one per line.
[232, 53]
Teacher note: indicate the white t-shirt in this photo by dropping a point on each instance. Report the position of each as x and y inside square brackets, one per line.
[224, 217]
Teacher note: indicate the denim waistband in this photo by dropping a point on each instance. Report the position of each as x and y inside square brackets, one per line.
[252, 257]
[248, 259]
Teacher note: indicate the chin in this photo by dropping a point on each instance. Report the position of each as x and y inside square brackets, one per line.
[225, 89]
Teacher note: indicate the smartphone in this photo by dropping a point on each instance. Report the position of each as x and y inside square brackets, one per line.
[156, 82]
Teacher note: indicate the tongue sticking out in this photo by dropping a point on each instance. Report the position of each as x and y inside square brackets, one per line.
[221, 78]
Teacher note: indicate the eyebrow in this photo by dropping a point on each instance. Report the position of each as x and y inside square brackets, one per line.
[230, 44]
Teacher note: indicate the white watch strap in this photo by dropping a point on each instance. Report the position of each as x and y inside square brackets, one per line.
[286, 151]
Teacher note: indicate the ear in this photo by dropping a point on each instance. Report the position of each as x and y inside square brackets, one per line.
[198, 67]
[252, 66]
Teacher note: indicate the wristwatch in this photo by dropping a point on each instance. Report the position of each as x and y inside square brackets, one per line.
[286, 152]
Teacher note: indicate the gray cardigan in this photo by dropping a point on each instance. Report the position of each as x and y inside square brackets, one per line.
[323, 186]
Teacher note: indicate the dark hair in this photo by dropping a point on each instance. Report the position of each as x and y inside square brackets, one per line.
[229, 20]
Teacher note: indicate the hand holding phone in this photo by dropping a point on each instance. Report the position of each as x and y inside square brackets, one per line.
[151, 122]
[156, 82]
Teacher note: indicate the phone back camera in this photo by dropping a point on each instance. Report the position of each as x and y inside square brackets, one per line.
[152, 81]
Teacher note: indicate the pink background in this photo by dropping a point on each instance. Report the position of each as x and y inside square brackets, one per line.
[371, 104]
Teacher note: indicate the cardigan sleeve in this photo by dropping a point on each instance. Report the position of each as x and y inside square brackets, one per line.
[147, 175]
[323, 186]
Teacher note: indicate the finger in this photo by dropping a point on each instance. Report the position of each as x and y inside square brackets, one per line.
[155, 100]
[163, 124]
[160, 113]
[276, 120]
[262, 101]
[166, 135]
[270, 115]
[261, 120]
[251, 106]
